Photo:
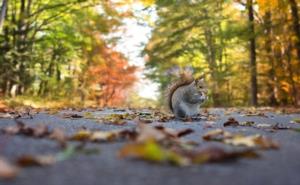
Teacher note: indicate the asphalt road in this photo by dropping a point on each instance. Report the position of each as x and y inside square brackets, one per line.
[274, 167]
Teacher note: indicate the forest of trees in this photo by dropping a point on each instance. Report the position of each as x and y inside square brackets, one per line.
[58, 48]
[248, 50]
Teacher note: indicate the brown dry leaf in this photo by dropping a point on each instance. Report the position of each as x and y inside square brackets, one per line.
[72, 115]
[151, 150]
[278, 126]
[82, 135]
[266, 143]
[295, 120]
[216, 154]
[118, 119]
[39, 130]
[19, 128]
[11, 130]
[247, 123]
[240, 140]
[128, 134]
[29, 160]
[98, 136]
[103, 136]
[6, 115]
[7, 170]
[216, 135]
[231, 122]
[263, 125]
[175, 133]
[155, 151]
[251, 113]
[252, 141]
[163, 117]
[59, 136]
[147, 132]
[184, 132]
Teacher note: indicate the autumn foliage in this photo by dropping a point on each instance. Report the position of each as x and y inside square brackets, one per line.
[110, 77]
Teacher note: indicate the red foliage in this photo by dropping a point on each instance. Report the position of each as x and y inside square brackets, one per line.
[111, 76]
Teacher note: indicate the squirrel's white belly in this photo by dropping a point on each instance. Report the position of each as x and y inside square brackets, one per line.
[190, 109]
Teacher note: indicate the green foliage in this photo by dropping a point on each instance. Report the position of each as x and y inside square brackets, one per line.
[46, 46]
[212, 37]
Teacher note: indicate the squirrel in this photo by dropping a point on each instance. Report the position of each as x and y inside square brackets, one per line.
[185, 95]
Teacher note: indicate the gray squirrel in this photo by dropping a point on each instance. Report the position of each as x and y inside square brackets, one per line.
[185, 95]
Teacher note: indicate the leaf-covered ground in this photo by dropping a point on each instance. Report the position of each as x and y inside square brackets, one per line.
[121, 146]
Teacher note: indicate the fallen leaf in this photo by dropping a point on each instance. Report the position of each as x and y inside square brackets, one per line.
[118, 119]
[295, 120]
[7, 170]
[6, 115]
[82, 135]
[231, 122]
[252, 141]
[29, 160]
[259, 141]
[216, 135]
[174, 133]
[99, 136]
[59, 136]
[278, 126]
[147, 132]
[150, 150]
[263, 125]
[217, 154]
[103, 136]
[72, 115]
[41, 130]
[88, 115]
[247, 123]
[153, 151]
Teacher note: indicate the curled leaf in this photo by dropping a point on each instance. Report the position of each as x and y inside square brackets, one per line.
[231, 122]
[216, 135]
[151, 151]
[7, 170]
[29, 160]
[252, 141]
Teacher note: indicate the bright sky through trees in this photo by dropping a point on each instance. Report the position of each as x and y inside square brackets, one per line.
[137, 32]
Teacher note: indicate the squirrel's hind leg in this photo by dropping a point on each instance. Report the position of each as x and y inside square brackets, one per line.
[180, 112]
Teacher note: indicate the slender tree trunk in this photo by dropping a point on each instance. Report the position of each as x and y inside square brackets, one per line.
[268, 47]
[253, 71]
[291, 75]
[3, 13]
[296, 26]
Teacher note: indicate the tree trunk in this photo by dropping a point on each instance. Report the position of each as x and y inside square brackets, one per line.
[291, 75]
[253, 71]
[268, 47]
[296, 27]
[3, 13]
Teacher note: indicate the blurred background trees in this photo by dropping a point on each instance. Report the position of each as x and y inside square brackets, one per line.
[248, 50]
[59, 48]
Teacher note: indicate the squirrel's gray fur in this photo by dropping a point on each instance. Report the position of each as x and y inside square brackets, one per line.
[186, 95]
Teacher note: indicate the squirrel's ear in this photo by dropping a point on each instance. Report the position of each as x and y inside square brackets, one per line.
[173, 71]
[200, 79]
[188, 69]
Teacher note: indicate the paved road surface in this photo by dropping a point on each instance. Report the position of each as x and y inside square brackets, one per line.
[275, 167]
